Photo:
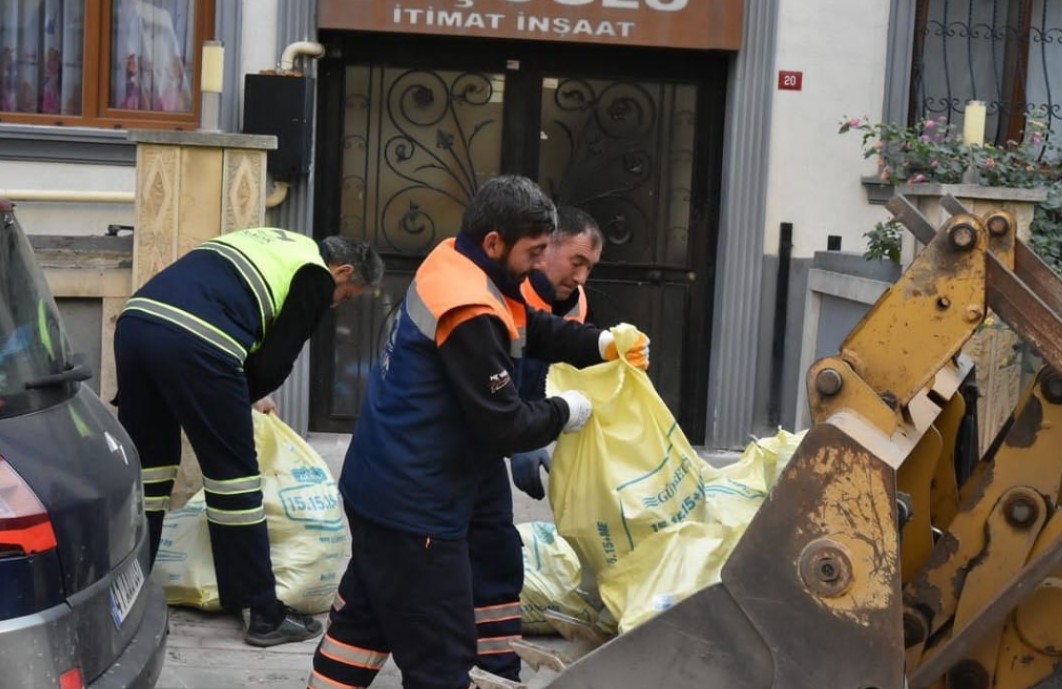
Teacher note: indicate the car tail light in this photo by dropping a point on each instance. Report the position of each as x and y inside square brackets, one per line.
[24, 524]
[71, 679]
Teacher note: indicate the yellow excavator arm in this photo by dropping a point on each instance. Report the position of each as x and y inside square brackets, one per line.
[869, 566]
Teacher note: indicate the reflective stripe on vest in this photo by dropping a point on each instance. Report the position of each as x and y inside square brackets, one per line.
[267, 258]
[250, 275]
[158, 504]
[159, 474]
[495, 645]
[352, 655]
[498, 613]
[234, 486]
[194, 325]
[447, 280]
[235, 517]
[578, 312]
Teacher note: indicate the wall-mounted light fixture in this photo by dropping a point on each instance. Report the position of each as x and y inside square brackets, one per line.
[211, 83]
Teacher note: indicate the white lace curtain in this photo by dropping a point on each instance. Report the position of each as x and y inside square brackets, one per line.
[42, 55]
[153, 55]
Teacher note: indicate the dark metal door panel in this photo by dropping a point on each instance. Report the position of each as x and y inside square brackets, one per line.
[658, 310]
[623, 150]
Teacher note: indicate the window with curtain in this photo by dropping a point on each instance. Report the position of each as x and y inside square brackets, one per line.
[109, 63]
[1007, 53]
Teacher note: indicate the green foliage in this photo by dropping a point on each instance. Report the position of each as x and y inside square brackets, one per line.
[884, 241]
[933, 151]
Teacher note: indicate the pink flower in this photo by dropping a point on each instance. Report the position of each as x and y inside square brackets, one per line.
[930, 124]
[918, 178]
[879, 146]
[1037, 139]
[934, 164]
[924, 137]
[854, 122]
[886, 173]
[990, 164]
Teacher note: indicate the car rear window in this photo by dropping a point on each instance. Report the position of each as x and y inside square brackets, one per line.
[33, 345]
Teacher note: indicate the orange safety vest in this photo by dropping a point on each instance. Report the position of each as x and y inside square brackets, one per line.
[535, 301]
[448, 280]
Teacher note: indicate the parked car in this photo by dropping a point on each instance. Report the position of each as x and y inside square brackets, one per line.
[77, 608]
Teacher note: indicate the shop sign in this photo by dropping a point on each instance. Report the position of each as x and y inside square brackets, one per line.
[698, 24]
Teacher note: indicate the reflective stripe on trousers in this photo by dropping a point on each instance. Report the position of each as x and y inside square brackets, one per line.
[498, 613]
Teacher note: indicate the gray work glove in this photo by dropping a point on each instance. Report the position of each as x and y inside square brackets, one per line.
[526, 474]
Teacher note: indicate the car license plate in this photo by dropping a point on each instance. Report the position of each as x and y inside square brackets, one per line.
[124, 591]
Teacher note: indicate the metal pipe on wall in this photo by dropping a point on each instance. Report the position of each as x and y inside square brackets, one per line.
[296, 23]
[52, 196]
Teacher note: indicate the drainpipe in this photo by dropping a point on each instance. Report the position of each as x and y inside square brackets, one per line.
[304, 48]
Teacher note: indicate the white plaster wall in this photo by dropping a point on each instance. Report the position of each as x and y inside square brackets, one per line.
[68, 218]
[258, 38]
[814, 176]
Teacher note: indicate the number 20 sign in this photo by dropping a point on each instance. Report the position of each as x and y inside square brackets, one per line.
[790, 81]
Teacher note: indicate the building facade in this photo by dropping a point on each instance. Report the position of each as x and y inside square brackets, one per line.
[701, 134]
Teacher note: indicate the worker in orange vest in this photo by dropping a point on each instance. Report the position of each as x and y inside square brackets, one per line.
[494, 544]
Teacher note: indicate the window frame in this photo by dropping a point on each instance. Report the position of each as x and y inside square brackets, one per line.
[95, 90]
[1017, 22]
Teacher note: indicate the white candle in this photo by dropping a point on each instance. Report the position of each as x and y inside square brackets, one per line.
[213, 70]
[973, 126]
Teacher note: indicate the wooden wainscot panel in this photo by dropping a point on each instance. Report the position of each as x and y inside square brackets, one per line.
[698, 24]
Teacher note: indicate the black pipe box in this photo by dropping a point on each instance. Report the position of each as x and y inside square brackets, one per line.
[281, 106]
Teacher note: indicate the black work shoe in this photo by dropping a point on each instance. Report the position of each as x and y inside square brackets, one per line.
[281, 625]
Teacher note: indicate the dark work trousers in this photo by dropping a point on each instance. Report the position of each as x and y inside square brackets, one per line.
[405, 595]
[494, 548]
[169, 379]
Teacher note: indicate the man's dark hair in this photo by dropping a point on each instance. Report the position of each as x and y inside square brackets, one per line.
[513, 205]
[367, 264]
[572, 221]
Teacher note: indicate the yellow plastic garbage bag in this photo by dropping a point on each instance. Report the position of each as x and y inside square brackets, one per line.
[551, 578]
[307, 540]
[666, 567]
[734, 492]
[680, 560]
[630, 472]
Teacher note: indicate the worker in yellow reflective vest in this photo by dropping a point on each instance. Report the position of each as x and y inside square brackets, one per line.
[194, 347]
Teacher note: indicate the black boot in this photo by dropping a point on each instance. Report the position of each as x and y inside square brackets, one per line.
[279, 624]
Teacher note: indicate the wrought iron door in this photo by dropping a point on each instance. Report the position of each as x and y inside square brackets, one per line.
[401, 149]
[623, 151]
[416, 145]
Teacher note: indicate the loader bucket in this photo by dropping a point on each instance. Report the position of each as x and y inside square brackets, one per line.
[809, 598]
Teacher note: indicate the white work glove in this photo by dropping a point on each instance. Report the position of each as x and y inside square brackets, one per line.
[579, 410]
[637, 355]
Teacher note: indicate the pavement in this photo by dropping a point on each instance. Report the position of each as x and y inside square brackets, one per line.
[206, 651]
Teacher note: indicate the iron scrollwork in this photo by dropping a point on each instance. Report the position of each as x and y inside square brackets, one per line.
[608, 131]
[432, 150]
